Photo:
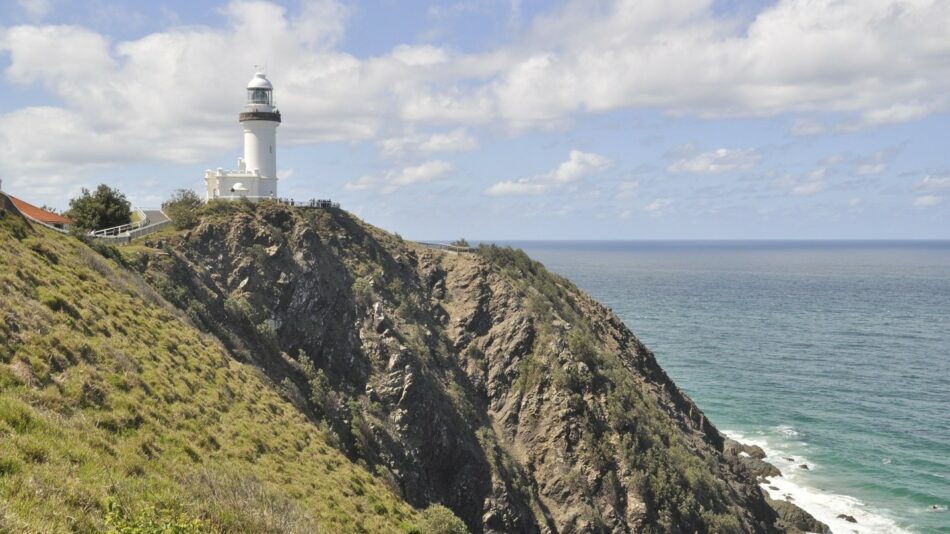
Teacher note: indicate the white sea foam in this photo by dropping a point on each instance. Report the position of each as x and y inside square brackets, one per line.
[824, 506]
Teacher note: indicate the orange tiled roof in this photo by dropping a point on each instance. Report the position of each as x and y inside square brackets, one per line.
[39, 214]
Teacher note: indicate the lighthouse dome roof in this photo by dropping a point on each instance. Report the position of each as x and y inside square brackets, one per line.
[259, 81]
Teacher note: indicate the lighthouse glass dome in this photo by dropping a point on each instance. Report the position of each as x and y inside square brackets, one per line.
[259, 96]
[259, 90]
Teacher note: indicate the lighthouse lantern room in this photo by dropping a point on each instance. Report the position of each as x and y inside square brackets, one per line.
[256, 176]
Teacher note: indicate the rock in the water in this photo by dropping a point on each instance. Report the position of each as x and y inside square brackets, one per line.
[759, 468]
[755, 451]
[796, 520]
[848, 518]
[804, 466]
[732, 447]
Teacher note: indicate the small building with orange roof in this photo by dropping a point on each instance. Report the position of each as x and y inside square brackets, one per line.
[39, 214]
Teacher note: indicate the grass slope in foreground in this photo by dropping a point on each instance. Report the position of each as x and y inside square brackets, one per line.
[115, 411]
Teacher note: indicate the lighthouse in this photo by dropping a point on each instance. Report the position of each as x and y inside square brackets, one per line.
[256, 175]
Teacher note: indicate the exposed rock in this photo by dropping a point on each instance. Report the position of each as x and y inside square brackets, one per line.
[734, 448]
[848, 518]
[796, 520]
[759, 468]
[804, 467]
[479, 381]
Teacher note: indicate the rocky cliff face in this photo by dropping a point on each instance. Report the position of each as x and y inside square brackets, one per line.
[480, 381]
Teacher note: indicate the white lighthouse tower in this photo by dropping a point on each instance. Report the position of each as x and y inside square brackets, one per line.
[256, 177]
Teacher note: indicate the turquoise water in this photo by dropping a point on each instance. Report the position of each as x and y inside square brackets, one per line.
[836, 354]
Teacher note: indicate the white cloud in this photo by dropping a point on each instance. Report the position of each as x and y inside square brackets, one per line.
[457, 140]
[934, 182]
[578, 165]
[717, 162]
[813, 182]
[424, 55]
[880, 58]
[894, 114]
[874, 164]
[927, 201]
[657, 206]
[429, 171]
[172, 95]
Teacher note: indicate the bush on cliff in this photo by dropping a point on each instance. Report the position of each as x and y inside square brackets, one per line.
[182, 208]
[103, 208]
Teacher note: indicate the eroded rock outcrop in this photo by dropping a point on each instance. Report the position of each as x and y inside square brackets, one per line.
[480, 381]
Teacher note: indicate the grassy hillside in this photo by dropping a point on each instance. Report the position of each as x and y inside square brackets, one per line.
[115, 411]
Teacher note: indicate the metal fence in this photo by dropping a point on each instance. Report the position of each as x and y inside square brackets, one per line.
[123, 229]
[310, 203]
[445, 246]
[124, 234]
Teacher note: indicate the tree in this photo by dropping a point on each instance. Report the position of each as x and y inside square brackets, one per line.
[104, 208]
[461, 242]
[182, 208]
[438, 519]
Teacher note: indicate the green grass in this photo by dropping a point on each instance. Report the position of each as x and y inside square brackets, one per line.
[116, 414]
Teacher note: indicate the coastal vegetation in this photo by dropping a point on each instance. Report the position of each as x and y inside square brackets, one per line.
[278, 369]
[103, 208]
[182, 208]
[116, 412]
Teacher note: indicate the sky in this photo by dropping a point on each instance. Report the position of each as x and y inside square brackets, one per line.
[503, 119]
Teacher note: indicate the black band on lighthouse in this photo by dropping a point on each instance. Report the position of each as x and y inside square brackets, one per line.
[260, 116]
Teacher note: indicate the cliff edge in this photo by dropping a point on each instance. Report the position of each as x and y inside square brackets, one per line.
[480, 381]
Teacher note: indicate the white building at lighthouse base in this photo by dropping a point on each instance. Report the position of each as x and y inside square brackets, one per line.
[233, 185]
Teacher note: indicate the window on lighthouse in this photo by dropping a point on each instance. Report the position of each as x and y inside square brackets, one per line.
[258, 96]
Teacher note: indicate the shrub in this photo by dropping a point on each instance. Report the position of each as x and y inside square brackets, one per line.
[438, 519]
[182, 208]
[149, 520]
[104, 208]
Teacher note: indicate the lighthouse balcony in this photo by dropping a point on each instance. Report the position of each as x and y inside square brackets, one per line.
[273, 116]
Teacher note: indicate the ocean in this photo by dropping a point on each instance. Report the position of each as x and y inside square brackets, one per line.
[831, 355]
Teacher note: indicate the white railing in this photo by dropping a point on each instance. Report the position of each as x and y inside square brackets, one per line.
[150, 229]
[311, 203]
[127, 232]
[123, 229]
[443, 246]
